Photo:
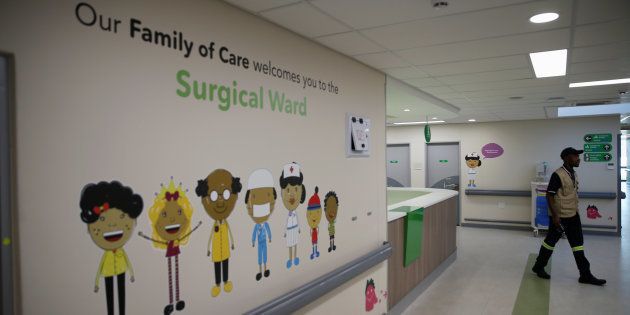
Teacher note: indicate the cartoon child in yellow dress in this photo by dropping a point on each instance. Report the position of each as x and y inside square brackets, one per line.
[110, 210]
[219, 192]
[170, 216]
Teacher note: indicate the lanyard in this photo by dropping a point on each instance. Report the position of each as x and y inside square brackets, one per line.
[570, 175]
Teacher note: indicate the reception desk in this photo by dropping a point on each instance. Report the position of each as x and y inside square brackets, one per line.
[430, 214]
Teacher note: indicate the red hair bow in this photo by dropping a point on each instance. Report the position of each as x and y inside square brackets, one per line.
[173, 196]
[98, 210]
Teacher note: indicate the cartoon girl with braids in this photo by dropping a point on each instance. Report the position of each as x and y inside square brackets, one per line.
[171, 216]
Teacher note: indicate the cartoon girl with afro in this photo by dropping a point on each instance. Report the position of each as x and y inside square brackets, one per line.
[170, 217]
[110, 211]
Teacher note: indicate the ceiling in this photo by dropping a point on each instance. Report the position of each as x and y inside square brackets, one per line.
[472, 54]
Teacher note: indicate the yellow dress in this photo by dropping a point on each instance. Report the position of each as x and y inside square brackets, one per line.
[113, 263]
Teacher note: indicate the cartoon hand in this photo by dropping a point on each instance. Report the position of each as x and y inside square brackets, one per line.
[270, 240]
[252, 244]
[140, 233]
[285, 235]
[208, 253]
[95, 288]
[299, 231]
[232, 246]
[133, 279]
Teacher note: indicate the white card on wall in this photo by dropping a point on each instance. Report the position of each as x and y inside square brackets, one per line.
[357, 136]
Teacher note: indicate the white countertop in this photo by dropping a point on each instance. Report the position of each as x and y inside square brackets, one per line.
[435, 196]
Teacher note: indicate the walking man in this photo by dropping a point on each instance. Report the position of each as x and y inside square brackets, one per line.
[562, 198]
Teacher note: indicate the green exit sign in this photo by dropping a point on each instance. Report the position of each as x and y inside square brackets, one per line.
[597, 157]
[598, 137]
[443, 161]
[393, 161]
[597, 147]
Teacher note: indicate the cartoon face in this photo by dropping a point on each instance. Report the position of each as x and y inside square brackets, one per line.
[472, 163]
[314, 216]
[172, 222]
[331, 207]
[291, 196]
[112, 230]
[260, 203]
[219, 200]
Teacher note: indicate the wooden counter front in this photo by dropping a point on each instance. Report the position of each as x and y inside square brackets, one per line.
[438, 243]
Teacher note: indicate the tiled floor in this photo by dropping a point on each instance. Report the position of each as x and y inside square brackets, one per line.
[486, 276]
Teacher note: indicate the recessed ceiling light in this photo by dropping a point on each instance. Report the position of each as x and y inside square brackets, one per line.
[596, 83]
[434, 118]
[406, 110]
[544, 17]
[551, 63]
[472, 120]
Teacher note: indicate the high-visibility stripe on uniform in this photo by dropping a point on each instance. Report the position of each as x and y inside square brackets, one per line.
[547, 246]
[577, 248]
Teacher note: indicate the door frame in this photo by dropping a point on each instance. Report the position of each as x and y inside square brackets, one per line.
[399, 144]
[9, 266]
[459, 171]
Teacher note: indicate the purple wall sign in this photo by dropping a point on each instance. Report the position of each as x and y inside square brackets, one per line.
[491, 150]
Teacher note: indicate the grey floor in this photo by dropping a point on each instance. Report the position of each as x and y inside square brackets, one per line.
[486, 276]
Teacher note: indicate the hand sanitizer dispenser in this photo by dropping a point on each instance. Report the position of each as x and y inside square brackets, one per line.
[541, 172]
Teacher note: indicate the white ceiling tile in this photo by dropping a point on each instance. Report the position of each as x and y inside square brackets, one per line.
[350, 43]
[601, 52]
[590, 11]
[512, 74]
[493, 47]
[471, 26]
[509, 84]
[304, 19]
[259, 5]
[369, 13]
[382, 60]
[424, 82]
[602, 33]
[479, 65]
[520, 91]
[610, 65]
[403, 73]
[597, 76]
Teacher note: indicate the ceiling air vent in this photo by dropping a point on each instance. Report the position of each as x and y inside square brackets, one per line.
[555, 98]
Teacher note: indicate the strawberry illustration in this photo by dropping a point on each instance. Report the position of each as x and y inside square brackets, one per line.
[370, 295]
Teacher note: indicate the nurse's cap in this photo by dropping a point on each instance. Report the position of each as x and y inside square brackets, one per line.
[260, 178]
[291, 170]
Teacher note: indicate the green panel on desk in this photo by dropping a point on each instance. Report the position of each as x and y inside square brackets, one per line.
[404, 209]
[396, 196]
[413, 235]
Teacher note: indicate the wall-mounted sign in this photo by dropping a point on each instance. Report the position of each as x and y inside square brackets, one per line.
[597, 157]
[598, 137]
[427, 133]
[393, 161]
[597, 147]
[491, 150]
[443, 161]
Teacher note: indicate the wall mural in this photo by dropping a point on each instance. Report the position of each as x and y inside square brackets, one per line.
[170, 216]
[219, 192]
[110, 210]
[331, 207]
[313, 217]
[260, 199]
[293, 194]
[473, 161]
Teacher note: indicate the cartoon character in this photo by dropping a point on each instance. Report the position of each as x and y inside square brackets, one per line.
[592, 212]
[110, 211]
[170, 217]
[472, 161]
[331, 206]
[293, 194]
[260, 200]
[314, 216]
[370, 295]
[219, 192]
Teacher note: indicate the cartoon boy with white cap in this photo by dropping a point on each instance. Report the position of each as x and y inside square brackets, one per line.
[293, 194]
[260, 200]
[472, 161]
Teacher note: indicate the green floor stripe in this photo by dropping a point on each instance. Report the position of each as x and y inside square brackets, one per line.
[533, 295]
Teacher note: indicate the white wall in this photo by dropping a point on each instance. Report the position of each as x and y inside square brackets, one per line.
[95, 105]
[525, 143]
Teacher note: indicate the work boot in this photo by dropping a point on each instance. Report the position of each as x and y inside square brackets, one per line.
[590, 279]
[540, 272]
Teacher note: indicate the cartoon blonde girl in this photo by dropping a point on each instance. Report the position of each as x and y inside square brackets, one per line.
[170, 217]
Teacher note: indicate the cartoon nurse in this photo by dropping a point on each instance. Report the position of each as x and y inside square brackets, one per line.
[219, 192]
[110, 210]
[170, 216]
[293, 194]
[260, 200]
[473, 161]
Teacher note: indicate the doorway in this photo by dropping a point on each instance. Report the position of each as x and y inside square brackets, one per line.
[398, 165]
[443, 167]
[6, 182]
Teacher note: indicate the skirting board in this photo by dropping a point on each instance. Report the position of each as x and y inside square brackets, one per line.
[403, 304]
